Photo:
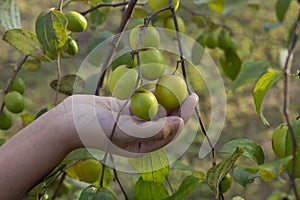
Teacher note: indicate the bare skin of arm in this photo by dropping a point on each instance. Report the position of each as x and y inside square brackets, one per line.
[38, 148]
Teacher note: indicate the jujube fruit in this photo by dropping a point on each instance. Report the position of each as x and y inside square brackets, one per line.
[76, 21]
[14, 102]
[72, 46]
[18, 85]
[171, 91]
[5, 120]
[155, 5]
[151, 37]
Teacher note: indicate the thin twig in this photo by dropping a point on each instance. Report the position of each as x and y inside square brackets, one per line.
[11, 80]
[286, 88]
[183, 68]
[170, 185]
[58, 80]
[45, 188]
[57, 189]
[113, 5]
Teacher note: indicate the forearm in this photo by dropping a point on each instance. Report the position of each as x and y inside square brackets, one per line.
[34, 152]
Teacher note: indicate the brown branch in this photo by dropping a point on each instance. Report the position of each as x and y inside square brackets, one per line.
[57, 189]
[183, 68]
[286, 91]
[16, 71]
[60, 5]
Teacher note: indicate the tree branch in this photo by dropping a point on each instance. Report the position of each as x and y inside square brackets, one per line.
[286, 91]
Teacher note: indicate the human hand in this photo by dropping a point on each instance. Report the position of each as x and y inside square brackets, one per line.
[94, 118]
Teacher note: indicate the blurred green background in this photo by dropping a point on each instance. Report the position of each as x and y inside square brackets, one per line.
[254, 42]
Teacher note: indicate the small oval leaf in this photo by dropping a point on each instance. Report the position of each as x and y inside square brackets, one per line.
[261, 87]
[243, 177]
[281, 8]
[231, 64]
[99, 15]
[24, 41]
[69, 84]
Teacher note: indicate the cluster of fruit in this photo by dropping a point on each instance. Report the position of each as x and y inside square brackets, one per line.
[221, 40]
[14, 103]
[170, 90]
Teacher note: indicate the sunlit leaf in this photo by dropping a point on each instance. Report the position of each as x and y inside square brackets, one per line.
[269, 171]
[69, 84]
[251, 149]
[243, 177]
[149, 190]
[94, 193]
[250, 71]
[281, 8]
[51, 30]
[32, 64]
[263, 84]
[185, 188]
[237, 198]
[153, 166]
[218, 172]
[217, 5]
[24, 41]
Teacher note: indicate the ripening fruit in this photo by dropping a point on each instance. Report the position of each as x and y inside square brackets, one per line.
[225, 42]
[226, 183]
[76, 21]
[171, 91]
[169, 24]
[122, 81]
[152, 63]
[88, 170]
[279, 139]
[72, 46]
[151, 37]
[5, 120]
[14, 102]
[144, 104]
[211, 40]
[289, 148]
[155, 5]
[18, 85]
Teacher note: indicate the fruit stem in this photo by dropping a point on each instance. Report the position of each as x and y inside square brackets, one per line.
[60, 5]
[16, 71]
[286, 89]
[182, 61]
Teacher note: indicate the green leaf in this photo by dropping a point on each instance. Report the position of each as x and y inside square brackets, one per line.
[149, 190]
[185, 188]
[153, 166]
[263, 84]
[51, 31]
[94, 193]
[99, 15]
[269, 170]
[237, 198]
[249, 72]
[69, 84]
[251, 149]
[2, 141]
[279, 196]
[9, 15]
[139, 13]
[243, 177]
[218, 172]
[281, 8]
[198, 51]
[32, 64]
[24, 41]
[231, 64]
